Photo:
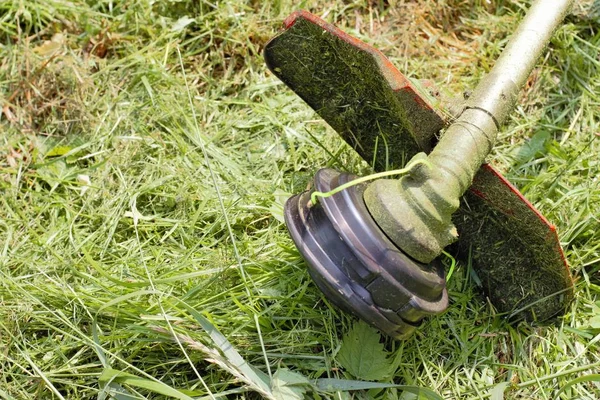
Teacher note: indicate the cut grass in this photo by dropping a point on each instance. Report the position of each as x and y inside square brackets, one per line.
[184, 200]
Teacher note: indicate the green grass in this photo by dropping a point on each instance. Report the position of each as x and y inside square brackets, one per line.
[143, 166]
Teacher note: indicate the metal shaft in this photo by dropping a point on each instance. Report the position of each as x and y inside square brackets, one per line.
[520, 56]
[466, 143]
[415, 211]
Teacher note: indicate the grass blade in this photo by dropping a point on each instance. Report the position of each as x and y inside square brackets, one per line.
[232, 355]
[112, 375]
[581, 379]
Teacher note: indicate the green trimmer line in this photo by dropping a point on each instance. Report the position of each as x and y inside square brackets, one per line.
[372, 247]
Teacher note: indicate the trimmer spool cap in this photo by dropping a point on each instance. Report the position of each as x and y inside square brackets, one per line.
[355, 264]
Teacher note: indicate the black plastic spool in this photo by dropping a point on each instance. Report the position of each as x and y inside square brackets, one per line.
[355, 264]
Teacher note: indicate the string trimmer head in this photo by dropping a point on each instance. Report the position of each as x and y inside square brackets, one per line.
[372, 247]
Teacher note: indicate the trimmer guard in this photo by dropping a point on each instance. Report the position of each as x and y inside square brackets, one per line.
[387, 119]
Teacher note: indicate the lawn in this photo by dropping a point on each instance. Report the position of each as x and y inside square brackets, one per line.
[145, 155]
